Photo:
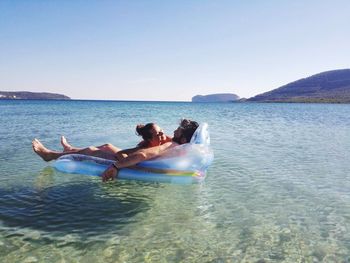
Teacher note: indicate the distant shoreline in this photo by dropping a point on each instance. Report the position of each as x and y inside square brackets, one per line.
[27, 95]
[329, 87]
[162, 101]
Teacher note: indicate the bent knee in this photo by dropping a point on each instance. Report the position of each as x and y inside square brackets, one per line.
[92, 149]
[108, 146]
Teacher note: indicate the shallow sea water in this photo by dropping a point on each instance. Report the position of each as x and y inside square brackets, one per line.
[278, 190]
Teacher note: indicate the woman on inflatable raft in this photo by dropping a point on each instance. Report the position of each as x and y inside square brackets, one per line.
[154, 159]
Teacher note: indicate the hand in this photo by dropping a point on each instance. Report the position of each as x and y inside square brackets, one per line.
[110, 173]
[120, 156]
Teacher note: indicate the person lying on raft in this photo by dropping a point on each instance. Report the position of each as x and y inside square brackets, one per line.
[182, 134]
[151, 134]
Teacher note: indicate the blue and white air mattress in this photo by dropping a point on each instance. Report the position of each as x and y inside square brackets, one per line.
[183, 164]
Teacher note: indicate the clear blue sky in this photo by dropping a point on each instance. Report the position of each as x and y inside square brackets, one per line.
[168, 50]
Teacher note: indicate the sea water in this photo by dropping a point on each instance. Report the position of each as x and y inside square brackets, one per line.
[277, 191]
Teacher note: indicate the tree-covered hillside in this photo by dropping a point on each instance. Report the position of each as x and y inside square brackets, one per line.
[26, 95]
[329, 86]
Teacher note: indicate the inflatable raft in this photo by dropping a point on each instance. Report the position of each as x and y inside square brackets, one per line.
[183, 164]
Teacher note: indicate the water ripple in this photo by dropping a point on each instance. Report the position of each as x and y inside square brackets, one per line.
[278, 190]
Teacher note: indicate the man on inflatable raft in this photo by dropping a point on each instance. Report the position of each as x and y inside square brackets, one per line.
[182, 160]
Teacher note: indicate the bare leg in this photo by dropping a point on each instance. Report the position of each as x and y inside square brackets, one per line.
[48, 155]
[109, 148]
[67, 147]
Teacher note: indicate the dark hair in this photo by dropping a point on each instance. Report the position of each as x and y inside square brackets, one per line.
[188, 128]
[145, 131]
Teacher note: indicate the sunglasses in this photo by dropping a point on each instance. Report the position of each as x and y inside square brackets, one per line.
[160, 133]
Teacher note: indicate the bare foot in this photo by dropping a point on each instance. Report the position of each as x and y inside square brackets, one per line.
[42, 151]
[66, 146]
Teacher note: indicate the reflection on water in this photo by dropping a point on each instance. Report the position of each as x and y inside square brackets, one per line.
[75, 208]
[76, 214]
[278, 190]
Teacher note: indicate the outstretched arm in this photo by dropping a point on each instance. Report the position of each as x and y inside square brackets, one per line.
[135, 158]
[143, 155]
[124, 153]
[112, 171]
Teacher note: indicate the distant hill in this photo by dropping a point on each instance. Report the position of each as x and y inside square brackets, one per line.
[25, 95]
[219, 97]
[329, 86]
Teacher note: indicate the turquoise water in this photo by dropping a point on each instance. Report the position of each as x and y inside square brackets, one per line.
[278, 190]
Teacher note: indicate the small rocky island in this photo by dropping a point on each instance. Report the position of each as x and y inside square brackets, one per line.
[219, 97]
[26, 95]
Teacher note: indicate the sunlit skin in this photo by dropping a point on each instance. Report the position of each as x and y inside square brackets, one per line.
[129, 160]
[142, 155]
[123, 158]
[106, 151]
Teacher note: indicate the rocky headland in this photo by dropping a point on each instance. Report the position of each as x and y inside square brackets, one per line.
[26, 95]
[219, 97]
[326, 87]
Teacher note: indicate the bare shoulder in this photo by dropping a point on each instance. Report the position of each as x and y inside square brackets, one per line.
[168, 145]
[157, 150]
